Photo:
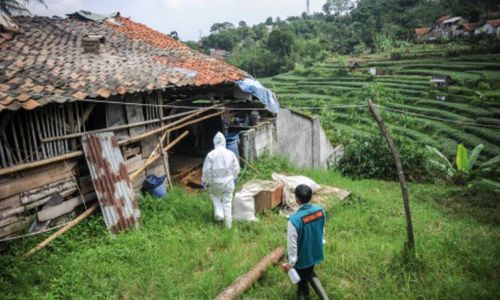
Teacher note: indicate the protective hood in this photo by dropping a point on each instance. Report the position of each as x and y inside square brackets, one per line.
[219, 140]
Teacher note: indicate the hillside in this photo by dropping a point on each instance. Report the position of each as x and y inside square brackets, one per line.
[180, 253]
[469, 114]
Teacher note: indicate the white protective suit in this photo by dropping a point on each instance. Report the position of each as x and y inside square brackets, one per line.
[220, 169]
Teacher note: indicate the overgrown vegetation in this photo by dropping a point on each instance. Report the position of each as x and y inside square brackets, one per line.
[180, 253]
[369, 157]
[344, 27]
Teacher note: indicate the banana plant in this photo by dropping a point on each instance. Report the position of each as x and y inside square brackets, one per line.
[464, 162]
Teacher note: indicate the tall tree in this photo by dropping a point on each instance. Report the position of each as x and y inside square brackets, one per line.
[13, 7]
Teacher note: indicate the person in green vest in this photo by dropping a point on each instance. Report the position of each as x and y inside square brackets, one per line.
[305, 242]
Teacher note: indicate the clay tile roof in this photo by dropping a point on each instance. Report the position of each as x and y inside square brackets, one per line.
[470, 26]
[422, 31]
[133, 58]
[494, 23]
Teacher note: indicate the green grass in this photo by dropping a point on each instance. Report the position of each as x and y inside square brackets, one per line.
[180, 253]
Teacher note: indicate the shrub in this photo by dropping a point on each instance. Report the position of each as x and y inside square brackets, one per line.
[370, 157]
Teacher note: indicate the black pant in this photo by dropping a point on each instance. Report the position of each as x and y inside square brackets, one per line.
[303, 286]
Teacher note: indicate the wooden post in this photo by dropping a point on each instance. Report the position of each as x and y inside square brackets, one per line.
[401, 175]
[165, 162]
[152, 158]
[244, 282]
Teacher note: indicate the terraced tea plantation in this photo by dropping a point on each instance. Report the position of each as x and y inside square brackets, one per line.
[466, 111]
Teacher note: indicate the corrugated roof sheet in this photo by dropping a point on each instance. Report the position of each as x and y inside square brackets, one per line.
[45, 62]
[111, 182]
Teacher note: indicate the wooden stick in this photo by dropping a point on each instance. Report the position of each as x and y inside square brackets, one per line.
[152, 159]
[401, 175]
[165, 162]
[169, 177]
[243, 283]
[62, 230]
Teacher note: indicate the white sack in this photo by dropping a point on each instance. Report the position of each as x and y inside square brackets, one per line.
[244, 202]
[289, 205]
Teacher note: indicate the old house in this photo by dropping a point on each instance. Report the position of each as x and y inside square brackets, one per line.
[491, 27]
[444, 27]
[420, 33]
[441, 81]
[465, 29]
[62, 80]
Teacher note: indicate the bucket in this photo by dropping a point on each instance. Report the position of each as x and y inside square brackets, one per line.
[232, 140]
[155, 185]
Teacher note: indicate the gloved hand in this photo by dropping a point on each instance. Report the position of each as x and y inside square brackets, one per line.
[203, 185]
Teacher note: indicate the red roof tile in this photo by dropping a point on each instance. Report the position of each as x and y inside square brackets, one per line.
[422, 31]
[494, 23]
[133, 58]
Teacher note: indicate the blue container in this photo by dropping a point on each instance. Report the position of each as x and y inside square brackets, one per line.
[232, 140]
[155, 185]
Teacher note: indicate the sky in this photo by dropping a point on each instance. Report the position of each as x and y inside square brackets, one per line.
[187, 17]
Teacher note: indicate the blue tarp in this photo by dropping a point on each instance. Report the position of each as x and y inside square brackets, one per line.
[265, 95]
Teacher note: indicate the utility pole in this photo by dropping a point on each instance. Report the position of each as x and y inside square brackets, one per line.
[307, 7]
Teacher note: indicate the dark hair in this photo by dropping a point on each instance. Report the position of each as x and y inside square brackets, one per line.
[303, 193]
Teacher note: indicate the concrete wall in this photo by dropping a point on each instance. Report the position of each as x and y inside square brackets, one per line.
[298, 137]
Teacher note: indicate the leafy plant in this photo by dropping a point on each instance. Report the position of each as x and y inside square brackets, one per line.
[370, 157]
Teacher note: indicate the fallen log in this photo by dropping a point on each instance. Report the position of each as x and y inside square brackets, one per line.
[244, 282]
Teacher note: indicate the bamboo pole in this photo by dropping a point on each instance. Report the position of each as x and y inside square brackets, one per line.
[151, 159]
[26, 166]
[62, 230]
[244, 282]
[401, 175]
[79, 134]
[170, 127]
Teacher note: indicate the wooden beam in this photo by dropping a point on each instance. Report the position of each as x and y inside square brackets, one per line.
[120, 127]
[22, 184]
[65, 207]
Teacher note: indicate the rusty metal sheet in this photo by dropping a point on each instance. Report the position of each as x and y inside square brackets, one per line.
[111, 182]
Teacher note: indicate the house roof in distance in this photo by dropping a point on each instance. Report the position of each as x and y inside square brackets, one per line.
[422, 31]
[45, 61]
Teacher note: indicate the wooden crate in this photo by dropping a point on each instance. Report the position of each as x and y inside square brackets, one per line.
[269, 199]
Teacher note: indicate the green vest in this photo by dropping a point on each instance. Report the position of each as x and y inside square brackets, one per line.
[309, 221]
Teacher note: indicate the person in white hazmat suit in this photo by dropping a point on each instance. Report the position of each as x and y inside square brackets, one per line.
[220, 171]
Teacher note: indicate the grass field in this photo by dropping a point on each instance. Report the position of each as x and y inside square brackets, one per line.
[180, 253]
[470, 114]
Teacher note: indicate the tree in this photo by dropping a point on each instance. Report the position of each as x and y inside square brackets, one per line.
[174, 35]
[219, 27]
[281, 41]
[269, 21]
[242, 24]
[11, 7]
